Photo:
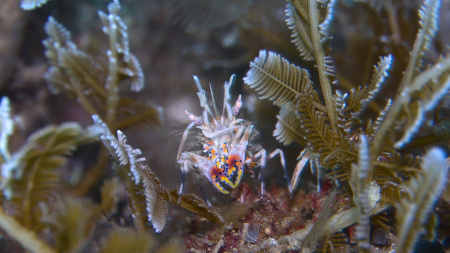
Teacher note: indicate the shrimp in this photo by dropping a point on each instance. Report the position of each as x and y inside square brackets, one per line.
[225, 140]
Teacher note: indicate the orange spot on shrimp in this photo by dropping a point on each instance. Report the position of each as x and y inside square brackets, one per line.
[213, 154]
[224, 148]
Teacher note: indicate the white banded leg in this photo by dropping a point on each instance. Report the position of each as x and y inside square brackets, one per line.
[183, 139]
[283, 163]
[184, 168]
[264, 158]
[262, 161]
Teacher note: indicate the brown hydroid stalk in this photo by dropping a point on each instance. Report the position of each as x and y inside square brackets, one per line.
[27, 239]
[320, 60]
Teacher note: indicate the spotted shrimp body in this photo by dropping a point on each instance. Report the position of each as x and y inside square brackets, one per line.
[225, 140]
